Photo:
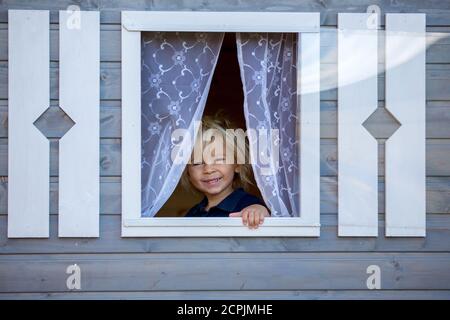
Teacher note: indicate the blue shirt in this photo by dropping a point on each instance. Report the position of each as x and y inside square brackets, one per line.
[234, 202]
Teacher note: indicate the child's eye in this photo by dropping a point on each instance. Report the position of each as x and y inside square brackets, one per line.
[220, 160]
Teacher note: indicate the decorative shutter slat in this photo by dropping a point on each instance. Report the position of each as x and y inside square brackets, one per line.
[405, 149]
[79, 148]
[357, 148]
[28, 148]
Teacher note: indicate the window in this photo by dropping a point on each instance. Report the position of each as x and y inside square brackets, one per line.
[307, 27]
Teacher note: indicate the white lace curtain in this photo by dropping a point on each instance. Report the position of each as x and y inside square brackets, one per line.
[177, 69]
[268, 71]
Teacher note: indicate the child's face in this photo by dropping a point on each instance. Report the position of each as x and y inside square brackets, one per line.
[213, 178]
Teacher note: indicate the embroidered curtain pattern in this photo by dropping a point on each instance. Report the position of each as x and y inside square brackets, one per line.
[269, 72]
[177, 69]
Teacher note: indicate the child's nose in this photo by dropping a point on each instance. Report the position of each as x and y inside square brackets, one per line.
[208, 168]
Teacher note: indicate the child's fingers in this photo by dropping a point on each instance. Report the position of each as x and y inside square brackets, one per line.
[251, 219]
[245, 217]
[236, 214]
[256, 219]
[261, 218]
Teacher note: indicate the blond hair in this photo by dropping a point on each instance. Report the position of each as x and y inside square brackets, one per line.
[220, 124]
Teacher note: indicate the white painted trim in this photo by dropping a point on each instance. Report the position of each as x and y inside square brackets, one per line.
[133, 225]
[217, 227]
[308, 97]
[221, 21]
[131, 124]
[28, 148]
[211, 222]
[79, 148]
[357, 148]
[405, 149]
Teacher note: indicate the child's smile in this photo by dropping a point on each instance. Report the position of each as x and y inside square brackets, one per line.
[212, 182]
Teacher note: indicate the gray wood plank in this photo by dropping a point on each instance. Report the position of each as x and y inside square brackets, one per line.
[437, 77]
[110, 241]
[438, 13]
[437, 120]
[224, 271]
[109, 80]
[237, 295]
[437, 155]
[437, 164]
[438, 195]
[110, 120]
[110, 195]
[437, 199]
[438, 44]
[109, 42]
[437, 41]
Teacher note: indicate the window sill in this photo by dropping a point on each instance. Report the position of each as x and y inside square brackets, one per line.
[217, 227]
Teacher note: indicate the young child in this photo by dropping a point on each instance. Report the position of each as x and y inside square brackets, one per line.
[222, 184]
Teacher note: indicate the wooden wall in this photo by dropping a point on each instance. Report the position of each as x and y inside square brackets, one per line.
[297, 268]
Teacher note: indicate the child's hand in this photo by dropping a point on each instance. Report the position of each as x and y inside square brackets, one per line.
[252, 216]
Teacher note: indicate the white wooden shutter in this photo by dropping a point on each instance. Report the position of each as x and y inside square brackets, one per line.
[79, 149]
[28, 148]
[357, 148]
[405, 149]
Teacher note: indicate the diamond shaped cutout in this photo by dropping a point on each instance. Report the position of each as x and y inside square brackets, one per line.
[54, 122]
[381, 124]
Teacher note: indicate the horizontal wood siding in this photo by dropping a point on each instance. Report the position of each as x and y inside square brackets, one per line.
[328, 267]
[225, 271]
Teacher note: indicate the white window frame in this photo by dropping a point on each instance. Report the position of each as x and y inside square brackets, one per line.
[307, 25]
